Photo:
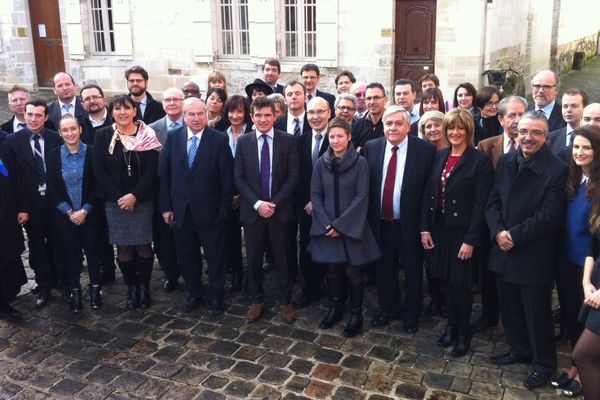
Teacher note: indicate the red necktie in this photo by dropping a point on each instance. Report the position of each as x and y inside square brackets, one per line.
[387, 202]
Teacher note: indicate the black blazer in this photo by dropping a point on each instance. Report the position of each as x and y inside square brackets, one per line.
[302, 196]
[557, 140]
[419, 159]
[285, 175]
[8, 125]
[279, 89]
[21, 155]
[281, 124]
[556, 120]
[530, 204]
[57, 190]
[54, 114]
[467, 191]
[207, 187]
[108, 169]
[88, 132]
[153, 112]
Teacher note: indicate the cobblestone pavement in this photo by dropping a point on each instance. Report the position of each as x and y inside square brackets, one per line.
[165, 353]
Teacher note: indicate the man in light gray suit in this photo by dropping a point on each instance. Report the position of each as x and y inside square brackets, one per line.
[164, 242]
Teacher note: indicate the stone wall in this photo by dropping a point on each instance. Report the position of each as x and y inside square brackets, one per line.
[17, 63]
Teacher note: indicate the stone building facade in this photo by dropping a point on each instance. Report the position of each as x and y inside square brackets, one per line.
[181, 40]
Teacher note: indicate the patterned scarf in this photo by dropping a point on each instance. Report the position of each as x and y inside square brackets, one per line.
[144, 140]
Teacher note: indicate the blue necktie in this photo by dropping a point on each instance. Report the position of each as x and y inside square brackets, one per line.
[39, 161]
[265, 170]
[192, 152]
[297, 127]
[66, 108]
[173, 125]
[317, 148]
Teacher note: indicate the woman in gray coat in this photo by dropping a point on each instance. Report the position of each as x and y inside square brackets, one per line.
[340, 235]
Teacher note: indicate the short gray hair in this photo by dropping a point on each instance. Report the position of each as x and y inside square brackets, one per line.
[510, 99]
[434, 114]
[278, 99]
[345, 96]
[536, 115]
[396, 109]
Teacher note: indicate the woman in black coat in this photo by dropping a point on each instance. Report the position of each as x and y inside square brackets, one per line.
[340, 236]
[71, 188]
[453, 224]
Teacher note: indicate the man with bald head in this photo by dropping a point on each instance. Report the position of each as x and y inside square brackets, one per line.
[591, 115]
[311, 146]
[191, 89]
[544, 89]
[66, 101]
[196, 190]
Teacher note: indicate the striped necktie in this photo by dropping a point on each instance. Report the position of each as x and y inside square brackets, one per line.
[192, 151]
[39, 161]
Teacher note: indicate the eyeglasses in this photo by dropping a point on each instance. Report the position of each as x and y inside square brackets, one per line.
[492, 103]
[312, 113]
[172, 100]
[373, 98]
[545, 87]
[525, 132]
[91, 98]
[346, 109]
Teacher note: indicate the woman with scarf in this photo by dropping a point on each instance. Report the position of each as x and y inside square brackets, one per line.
[125, 160]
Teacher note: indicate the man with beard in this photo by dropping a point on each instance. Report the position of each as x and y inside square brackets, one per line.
[149, 110]
[94, 103]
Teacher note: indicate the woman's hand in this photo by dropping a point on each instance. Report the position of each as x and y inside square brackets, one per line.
[78, 217]
[593, 300]
[465, 252]
[332, 233]
[427, 241]
[588, 290]
[127, 202]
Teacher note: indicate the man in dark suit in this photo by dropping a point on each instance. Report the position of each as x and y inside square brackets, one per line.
[544, 88]
[271, 70]
[510, 110]
[28, 149]
[399, 165]
[196, 189]
[311, 76]
[66, 102]
[266, 176]
[294, 121]
[164, 241]
[149, 110]
[18, 96]
[573, 102]
[525, 214]
[310, 148]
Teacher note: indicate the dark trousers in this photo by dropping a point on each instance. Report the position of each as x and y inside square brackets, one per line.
[570, 296]
[234, 243]
[527, 321]
[44, 248]
[164, 246]
[395, 254]
[188, 240]
[292, 253]
[106, 250]
[459, 303]
[312, 273]
[490, 303]
[260, 234]
[77, 238]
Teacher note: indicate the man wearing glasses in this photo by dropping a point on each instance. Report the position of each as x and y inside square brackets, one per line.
[525, 213]
[345, 107]
[149, 110]
[544, 88]
[370, 126]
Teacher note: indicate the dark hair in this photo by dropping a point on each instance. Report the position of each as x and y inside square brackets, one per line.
[431, 77]
[91, 86]
[122, 100]
[293, 83]
[347, 73]
[237, 102]
[591, 133]
[262, 102]
[376, 85]
[584, 96]
[484, 95]
[220, 92]
[338, 122]
[433, 93]
[469, 88]
[398, 82]
[272, 62]
[310, 67]
[38, 103]
[136, 69]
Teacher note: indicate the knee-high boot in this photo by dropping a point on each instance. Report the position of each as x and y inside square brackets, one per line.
[130, 278]
[336, 307]
[356, 301]
[144, 271]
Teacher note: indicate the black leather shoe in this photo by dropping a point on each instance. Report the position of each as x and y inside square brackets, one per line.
[191, 303]
[411, 325]
[169, 285]
[95, 297]
[303, 301]
[509, 359]
[10, 314]
[381, 320]
[76, 305]
[448, 338]
[462, 346]
[483, 323]
[216, 307]
[43, 297]
[537, 379]
[67, 296]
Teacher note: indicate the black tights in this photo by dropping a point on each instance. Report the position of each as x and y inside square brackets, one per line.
[586, 356]
[459, 302]
[127, 253]
[353, 274]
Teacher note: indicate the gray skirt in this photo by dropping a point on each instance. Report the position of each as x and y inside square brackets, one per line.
[127, 228]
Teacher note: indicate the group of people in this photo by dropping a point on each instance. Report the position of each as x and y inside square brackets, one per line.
[486, 194]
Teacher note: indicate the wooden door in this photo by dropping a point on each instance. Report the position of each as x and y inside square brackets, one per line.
[414, 54]
[47, 40]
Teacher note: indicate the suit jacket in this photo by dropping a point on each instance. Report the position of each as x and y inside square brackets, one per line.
[419, 159]
[57, 189]
[54, 114]
[162, 132]
[330, 99]
[88, 132]
[306, 167]
[8, 125]
[285, 175]
[281, 124]
[279, 89]
[557, 140]
[493, 147]
[466, 194]
[206, 187]
[556, 120]
[153, 112]
[21, 155]
[530, 204]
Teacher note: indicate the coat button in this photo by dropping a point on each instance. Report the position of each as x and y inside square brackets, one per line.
[431, 208]
[453, 201]
[456, 214]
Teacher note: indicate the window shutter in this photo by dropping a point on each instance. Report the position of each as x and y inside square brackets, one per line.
[74, 30]
[122, 29]
[327, 33]
[201, 24]
[263, 35]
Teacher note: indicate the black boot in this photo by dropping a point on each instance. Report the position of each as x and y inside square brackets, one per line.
[356, 301]
[336, 308]
[76, 300]
[130, 278]
[95, 298]
[462, 346]
[448, 338]
[144, 295]
[132, 297]
[144, 270]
